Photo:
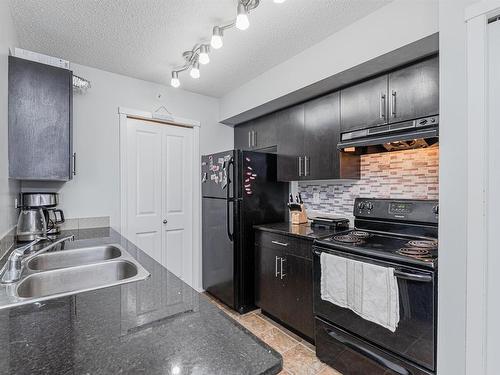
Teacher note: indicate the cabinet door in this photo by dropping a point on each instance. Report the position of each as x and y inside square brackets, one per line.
[414, 91]
[265, 132]
[298, 294]
[40, 121]
[268, 284]
[364, 105]
[321, 135]
[291, 143]
[242, 136]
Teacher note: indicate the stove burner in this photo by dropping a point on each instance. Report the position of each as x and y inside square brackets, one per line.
[360, 234]
[347, 238]
[424, 244]
[413, 251]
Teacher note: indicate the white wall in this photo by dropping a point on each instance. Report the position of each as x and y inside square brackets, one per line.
[8, 189]
[391, 27]
[452, 188]
[94, 191]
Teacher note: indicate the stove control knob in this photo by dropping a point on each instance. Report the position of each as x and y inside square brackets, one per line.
[361, 205]
[435, 209]
[369, 205]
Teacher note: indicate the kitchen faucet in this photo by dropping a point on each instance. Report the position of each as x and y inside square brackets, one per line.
[13, 268]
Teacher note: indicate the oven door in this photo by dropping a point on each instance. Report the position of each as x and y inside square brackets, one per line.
[414, 338]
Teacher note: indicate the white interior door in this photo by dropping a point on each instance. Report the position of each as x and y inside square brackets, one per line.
[159, 190]
[144, 186]
[177, 191]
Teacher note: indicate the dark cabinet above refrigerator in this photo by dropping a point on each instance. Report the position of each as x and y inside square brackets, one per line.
[259, 134]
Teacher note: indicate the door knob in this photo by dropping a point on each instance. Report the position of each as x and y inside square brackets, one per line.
[165, 221]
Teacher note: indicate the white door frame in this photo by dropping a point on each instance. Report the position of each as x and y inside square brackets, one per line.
[124, 114]
[480, 279]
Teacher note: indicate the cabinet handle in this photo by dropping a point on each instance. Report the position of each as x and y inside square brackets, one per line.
[254, 138]
[282, 275]
[249, 139]
[382, 106]
[307, 162]
[276, 267]
[74, 163]
[300, 165]
[394, 111]
[280, 243]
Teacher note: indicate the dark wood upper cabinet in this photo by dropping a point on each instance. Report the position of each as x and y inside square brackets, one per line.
[258, 134]
[40, 121]
[364, 105]
[291, 143]
[265, 132]
[306, 135]
[404, 94]
[242, 136]
[321, 135]
[414, 91]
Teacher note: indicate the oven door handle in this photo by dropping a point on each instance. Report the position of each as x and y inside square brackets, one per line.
[412, 276]
[400, 274]
[368, 353]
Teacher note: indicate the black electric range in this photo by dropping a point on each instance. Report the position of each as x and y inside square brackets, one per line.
[398, 234]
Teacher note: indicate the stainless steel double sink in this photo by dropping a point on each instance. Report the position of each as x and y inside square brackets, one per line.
[65, 272]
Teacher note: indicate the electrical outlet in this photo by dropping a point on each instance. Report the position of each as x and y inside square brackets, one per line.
[316, 197]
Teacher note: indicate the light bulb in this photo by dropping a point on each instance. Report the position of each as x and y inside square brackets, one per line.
[195, 71]
[174, 82]
[203, 57]
[217, 41]
[242, 21]
[279, 1]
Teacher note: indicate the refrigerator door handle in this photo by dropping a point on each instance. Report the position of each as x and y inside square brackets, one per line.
[229, 200]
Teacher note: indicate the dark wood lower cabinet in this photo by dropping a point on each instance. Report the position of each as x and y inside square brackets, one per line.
[284, 281]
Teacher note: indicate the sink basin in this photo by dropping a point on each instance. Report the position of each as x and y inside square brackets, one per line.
[72, 258]
[77, 279]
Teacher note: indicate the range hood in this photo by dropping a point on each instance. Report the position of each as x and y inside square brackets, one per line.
[420, 133]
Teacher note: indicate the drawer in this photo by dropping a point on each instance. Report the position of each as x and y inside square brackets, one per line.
[351, 356]
[289, 244]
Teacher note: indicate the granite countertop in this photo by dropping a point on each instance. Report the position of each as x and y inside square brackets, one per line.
[156, 326]
[301, 230]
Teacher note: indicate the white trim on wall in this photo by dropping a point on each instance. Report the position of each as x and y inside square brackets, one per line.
[479, 278]
[125, 113]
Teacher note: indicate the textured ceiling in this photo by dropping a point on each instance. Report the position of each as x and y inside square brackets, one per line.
[145, 38]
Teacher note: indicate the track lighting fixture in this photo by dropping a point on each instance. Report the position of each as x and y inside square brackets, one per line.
[200, 52]
[242, 21]
[217, 41]
[203, 57]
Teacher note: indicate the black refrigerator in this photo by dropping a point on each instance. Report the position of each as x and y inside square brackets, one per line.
[239, 190]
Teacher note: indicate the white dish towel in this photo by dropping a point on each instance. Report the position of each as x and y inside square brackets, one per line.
[369, 290]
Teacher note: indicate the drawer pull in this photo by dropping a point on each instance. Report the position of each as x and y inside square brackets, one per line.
[279, 243]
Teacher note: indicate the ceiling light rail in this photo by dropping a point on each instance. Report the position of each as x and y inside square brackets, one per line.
[200, 53]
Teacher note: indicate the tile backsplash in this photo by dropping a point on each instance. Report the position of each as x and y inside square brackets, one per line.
[411, 174]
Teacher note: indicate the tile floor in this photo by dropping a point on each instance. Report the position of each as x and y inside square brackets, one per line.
[298, 354]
